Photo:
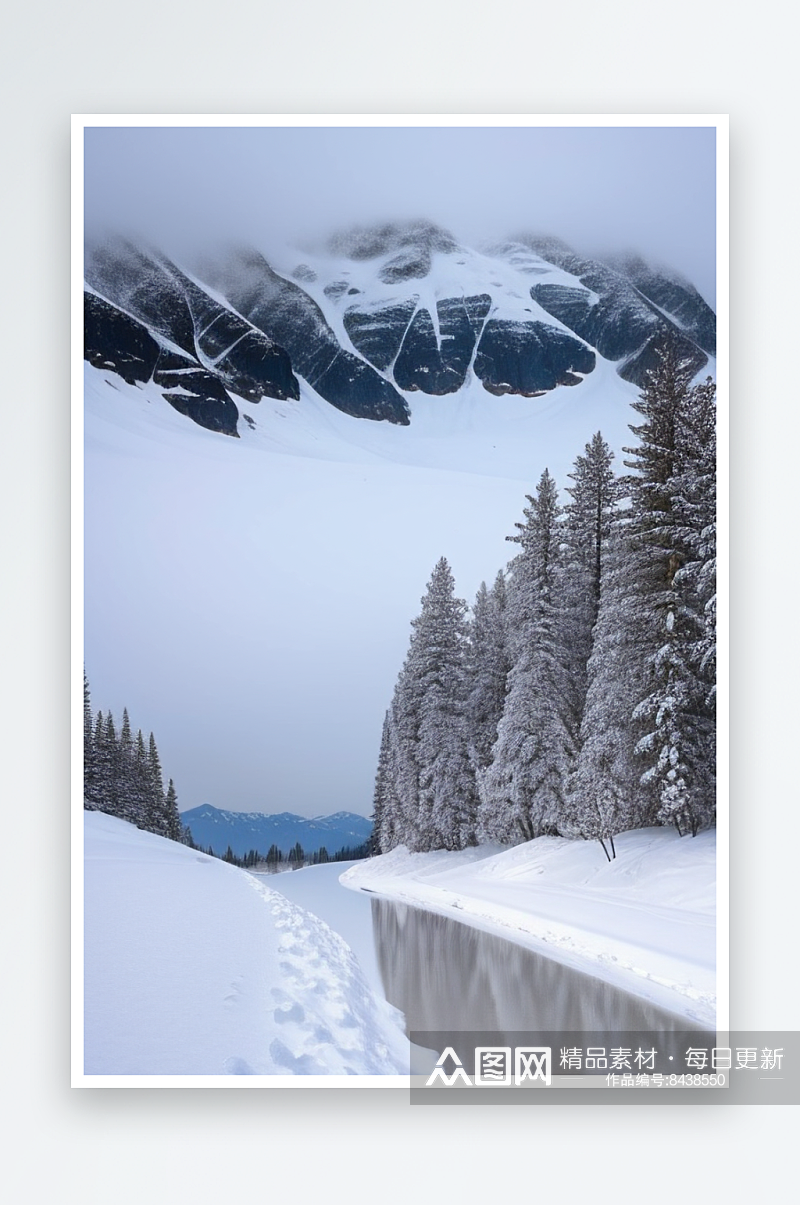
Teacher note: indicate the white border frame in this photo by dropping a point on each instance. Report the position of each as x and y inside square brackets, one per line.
[79, 124]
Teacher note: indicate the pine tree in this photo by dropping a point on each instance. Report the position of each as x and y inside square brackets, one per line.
[90, 779]
[672, 503]
[108, 763]
[446, 802]
[606, 795]
[488, 666]
[172, 815]
[127, 787]
[157, 821]
[590, 514]
[140, 786]
[425, 790]
[523, 791]
[385, 805]
[674, 528]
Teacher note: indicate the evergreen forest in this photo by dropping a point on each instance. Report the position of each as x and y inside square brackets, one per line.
[576, 697]
[122, 775]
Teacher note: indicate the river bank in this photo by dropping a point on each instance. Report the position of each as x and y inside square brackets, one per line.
[645, 922]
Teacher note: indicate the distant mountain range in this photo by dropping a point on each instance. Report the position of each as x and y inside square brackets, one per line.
[375, 314]
[243, 831]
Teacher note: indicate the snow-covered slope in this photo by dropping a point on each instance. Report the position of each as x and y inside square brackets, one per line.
[193, 967]
[644, 922]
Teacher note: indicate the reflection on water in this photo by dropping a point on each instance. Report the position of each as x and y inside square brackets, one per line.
[445, 976]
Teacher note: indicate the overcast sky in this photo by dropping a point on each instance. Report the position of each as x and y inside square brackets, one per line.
[650, 190]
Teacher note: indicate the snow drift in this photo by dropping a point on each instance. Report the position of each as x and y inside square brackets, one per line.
[193, 967]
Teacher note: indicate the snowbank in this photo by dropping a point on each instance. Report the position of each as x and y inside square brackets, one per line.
[644, 922]
[193, 967]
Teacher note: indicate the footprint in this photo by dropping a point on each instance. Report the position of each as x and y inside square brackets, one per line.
[237, 1066]
[295, 1013]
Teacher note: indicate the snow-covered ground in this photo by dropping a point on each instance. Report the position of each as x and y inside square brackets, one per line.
[644, 922]
[193, 967]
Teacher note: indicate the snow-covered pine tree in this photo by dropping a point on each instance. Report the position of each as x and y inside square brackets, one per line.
[90, 784]
[523, 791]
[674, 529]
[140, 790]
[399, 775]
[127, 786]
[447, 789]
[488, 666]
[425, 788]
[606, 795]
[157, 820]
[385, 802]
[107, 748]
[594, 495]
[175, 829]
[122, 776]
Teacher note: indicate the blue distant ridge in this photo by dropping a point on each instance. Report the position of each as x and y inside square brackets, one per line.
[243, 831]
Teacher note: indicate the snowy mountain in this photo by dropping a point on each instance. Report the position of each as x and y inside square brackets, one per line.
[375, 314]
[244, 831]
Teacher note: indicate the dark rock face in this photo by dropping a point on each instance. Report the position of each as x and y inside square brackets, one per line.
[116, 342]
[614, 322]
[336, 289]
[153, 289]
[371, 242]
[244, 358]
[619, 325]
[143, 286]
[529, 358]
[377, 334]
[200, 396]
[677, 296]
[414, 264]
[292, 319]
[403, 338]
[636, 367]
[619, 317]
[440, 366]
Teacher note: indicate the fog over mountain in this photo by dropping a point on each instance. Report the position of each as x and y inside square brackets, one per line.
[649, 190]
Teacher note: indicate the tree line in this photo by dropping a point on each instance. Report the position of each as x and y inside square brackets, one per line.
[122, 774]
[578, 696]
[295, 859]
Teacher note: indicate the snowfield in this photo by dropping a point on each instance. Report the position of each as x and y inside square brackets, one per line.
[644, 922]
[193, 967]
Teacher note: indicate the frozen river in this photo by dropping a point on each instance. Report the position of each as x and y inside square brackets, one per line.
[446, 976]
